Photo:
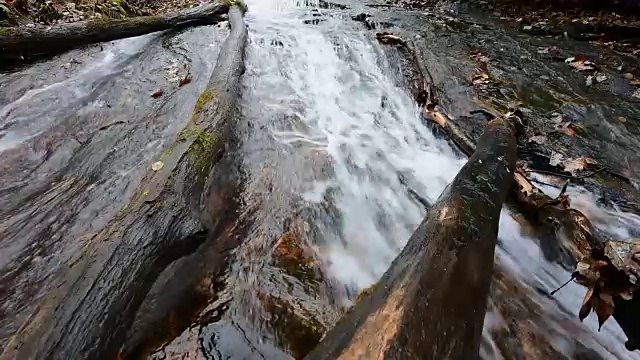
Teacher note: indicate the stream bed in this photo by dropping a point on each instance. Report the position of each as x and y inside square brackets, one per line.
[332, 148]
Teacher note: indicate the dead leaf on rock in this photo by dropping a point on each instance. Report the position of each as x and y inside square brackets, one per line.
[389, 39]
[601, 78]
[566, 128]
[580, 63]
[185, 80]
[573, 166]
[480, 79]
[636, 94]
[478, 56]
[157, 93]
[628, 76]
[538, 139]
[157, 165]
[551, 50]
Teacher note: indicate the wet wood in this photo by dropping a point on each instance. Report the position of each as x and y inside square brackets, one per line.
[95, 297]
[17, 42]
[431, 303]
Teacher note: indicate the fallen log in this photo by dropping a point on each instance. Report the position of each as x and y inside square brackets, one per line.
[576, 239]
[23, 42]
[431, 302]
[93, 300]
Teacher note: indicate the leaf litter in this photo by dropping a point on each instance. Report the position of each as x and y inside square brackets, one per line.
[580, 63]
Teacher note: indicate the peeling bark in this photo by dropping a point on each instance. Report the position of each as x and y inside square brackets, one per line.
[93, 300]
[20, 42]
[431, 302]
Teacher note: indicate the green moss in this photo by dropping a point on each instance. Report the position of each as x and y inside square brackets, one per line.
[364, 293]
[7, 31]
[202, 150]
[165, 154]
[205, 98]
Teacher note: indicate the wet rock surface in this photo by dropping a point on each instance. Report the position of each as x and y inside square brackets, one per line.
[79, 132]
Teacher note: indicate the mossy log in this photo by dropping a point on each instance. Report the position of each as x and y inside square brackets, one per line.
[94, 299]
[431, 303]
[17, 42]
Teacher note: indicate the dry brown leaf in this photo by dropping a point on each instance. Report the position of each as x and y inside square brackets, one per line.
[566, 128]
[573, 166]
[185, 80]
[157, 93]
[604, 281]
[480, 78]
[440, 119]
[580, 63]
[389, 39]
[607, 298]
[585, 310]
[479, 57]
[588, 296]
[521, 179]
[603, 310]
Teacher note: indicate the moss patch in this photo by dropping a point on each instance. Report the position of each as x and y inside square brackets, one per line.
[202, 151]
[204, 99]
[165, 154]
[366, 292]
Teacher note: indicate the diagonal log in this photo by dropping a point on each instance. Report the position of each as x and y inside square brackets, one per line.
[93, 300]
[17, 42]
[431, 302]
[576, 238]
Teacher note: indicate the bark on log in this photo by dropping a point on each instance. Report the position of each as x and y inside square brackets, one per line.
[93, 301]
[32, 41]
[431, 302]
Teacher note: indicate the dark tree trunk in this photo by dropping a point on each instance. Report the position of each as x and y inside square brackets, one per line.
[31, 41]
[94, 300]
[431, 302]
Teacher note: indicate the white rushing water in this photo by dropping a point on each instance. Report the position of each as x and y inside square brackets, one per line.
[334, 78]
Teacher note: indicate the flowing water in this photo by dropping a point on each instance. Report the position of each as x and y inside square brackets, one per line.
[327, 126]
[341, 97]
